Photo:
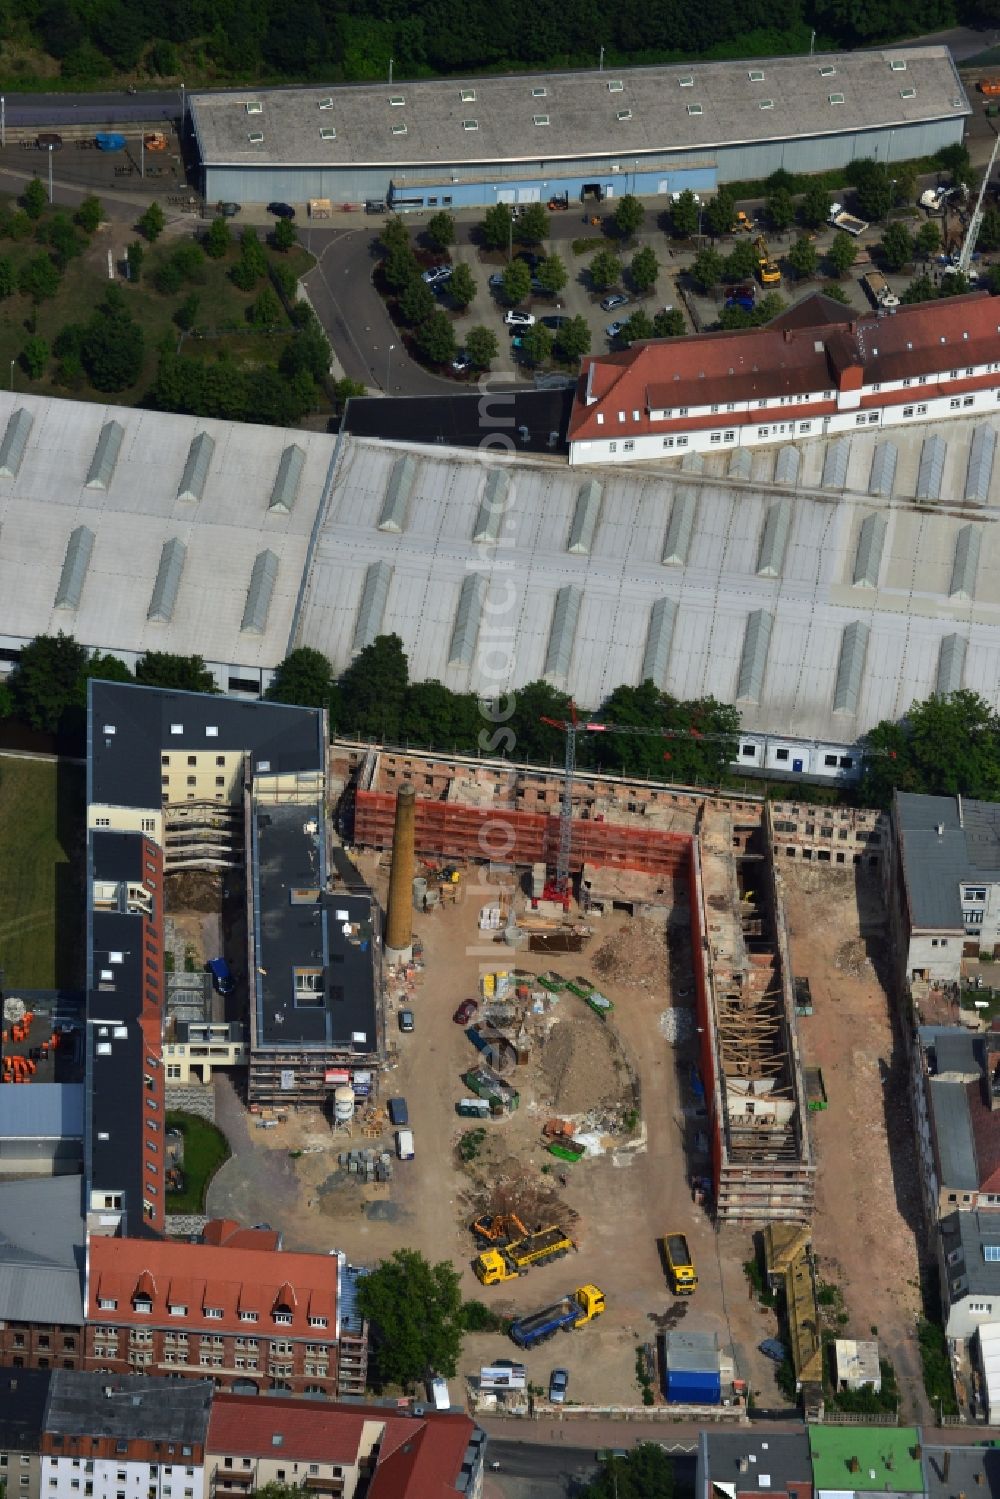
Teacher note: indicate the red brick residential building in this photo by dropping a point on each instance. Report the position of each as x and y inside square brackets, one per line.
[251, 1319]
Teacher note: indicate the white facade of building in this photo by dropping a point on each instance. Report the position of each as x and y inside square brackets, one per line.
[121, 1478]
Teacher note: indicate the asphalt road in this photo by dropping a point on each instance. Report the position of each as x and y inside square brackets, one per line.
[37, 111]
[529, 1470]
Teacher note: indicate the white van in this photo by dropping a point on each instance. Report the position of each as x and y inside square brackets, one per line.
[437, 1389]
[404, 1144]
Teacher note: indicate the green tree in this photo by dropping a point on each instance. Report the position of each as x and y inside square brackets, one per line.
[304, 677]
[920, 289]
[646, 1472]
[927, 241]
[842, 253]
[461, 285]
[720, 213]
[605, 270]
[189, 259]
[644, 269]
[433, 715]
[905, 175]
[684, 215]
[134, 257]
[45, 681]
[34, 357]
[516, 282]
[873, 188]
[178, 673]
[370, 696]
[496, 228]
[265, 309]
[284, 235]
[414, 1309]
[629, 216]
[436, 338]
[687, 758]
[252, 251]
[780, 209]
[532, 224]
[836, 293]
[536, 345]
[19, 226]
[168, 278]
[897, 246]
[551, 275]
[669, 323]
[309, 350]
[88, 215]
[573, 338]
[39, 278]
[187, 313]
[219, 239]
[400, 267]
[734, 317]
[803, 258]
[524, 734]
[440, 231]
[482, 346]
[814, 206]
[945, 746]
[394, 235]
[741, 262]
[112, 347]
[769, 306]
[638, 325]
[34, 198]
[152, 223]
[8, 277]
[417, 302]
[706, 272]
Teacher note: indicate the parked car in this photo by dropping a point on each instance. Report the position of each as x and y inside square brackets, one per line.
[465, 1011]
[613, 330]
[436, 273]
[616, 299]
[530, 258]
[555, 321]
[227, 210]
[461, 364]
[519, 319]
[496, 280]
[558, 1383]
[399, 1114]
[222, 977]
[281, 210]
[406, 1020]
[773, 1349]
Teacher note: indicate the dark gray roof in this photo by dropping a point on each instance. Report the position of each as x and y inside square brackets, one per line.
[23, 1393]
[956, 1050]
[784, 1458]
[135, 1406]
[41, 1251]
[961, 1470]
[945, 840]
[124, 765]
[528, 418]
[952, 1125]
[45, 1111]
[969, 1234]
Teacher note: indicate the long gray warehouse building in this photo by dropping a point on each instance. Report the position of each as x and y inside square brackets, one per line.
[454, 142]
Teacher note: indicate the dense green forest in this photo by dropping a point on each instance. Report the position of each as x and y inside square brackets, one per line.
[85, 41]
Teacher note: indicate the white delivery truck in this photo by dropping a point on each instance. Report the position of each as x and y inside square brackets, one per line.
[404, 1144]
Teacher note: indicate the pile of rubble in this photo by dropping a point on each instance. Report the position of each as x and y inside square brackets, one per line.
[635, 955]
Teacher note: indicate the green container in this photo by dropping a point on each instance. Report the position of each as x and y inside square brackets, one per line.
[566, 1153]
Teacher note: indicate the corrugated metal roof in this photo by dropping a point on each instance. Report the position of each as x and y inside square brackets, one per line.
[371, 611]
[679, 530]
[40, 1293]
[585, 518]
[565, 616]
[979, 473]
[931, 471]
[15, 440]
[753, 661]
[168, 581]
[287, 480]
[462, 650]
[492, 506]
[883, 470]
[966, 563]
[850, 667]
[74, 569]
[656, 657]
[397, 494]
[838, 456]
[868, 557]
[951, 664]
[199, 461]
[102, 465]
[774, 539]
[260, 592]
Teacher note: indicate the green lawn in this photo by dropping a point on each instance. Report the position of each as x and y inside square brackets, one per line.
[41, 874]
[221, 316]
[205, 1149]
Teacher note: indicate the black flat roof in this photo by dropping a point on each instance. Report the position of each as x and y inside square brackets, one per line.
[300, 926]
[138, 1407]
[23, 1393]
[117, 856]
[520, 420]
[129, 727]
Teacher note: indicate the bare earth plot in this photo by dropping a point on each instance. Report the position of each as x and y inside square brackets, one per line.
[867, 1224]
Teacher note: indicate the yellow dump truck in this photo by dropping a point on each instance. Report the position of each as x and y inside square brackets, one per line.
[511, 1260]
[680, 1265]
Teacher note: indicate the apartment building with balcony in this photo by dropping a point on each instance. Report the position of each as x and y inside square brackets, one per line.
[249, 1319]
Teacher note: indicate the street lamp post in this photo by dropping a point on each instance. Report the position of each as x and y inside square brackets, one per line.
[12, 363]
[50, 174]
[3, 120]
[388, 365]
[183, 112]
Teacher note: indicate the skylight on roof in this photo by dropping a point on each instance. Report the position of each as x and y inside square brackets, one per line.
[907, 93]
[897, 64]
[615, 86]
[540, 119]
[396, 100]
[470, 124]
[624, 114]
[468, 96]
[766, 104]
[399, 129]
[254, 107]
[326, 104]
[991, 1253]
[695, 109]
[836, 98]
[755, 75]
[539, 93]
[327, 133]
[256, 137]
[686, 80]
[827, 70]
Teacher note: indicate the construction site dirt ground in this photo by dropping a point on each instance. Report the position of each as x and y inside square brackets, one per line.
[866, 1230]
[615, 1206]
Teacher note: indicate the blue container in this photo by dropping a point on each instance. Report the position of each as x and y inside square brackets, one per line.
[694, 1387]
[109, 140]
